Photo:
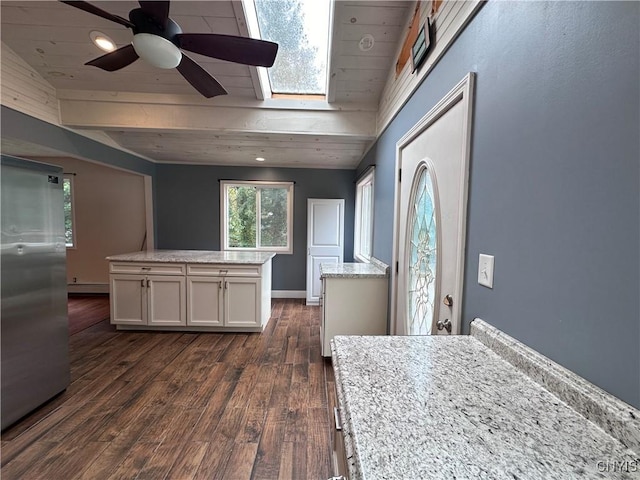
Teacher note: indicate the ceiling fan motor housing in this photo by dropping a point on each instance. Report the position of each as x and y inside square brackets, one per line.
[146, 24]
[153, 42]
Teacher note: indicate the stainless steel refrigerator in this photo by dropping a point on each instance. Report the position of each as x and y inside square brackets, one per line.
[34, 322]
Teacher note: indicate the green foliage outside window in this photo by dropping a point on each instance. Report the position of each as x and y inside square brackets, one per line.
[242, 216]
[68, 211]
[273, 217]
[257, 216]
[298, 67]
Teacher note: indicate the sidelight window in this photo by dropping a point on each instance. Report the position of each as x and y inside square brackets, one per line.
[363, 241]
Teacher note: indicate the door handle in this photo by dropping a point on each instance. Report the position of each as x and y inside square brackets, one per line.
[226, 285]
[444, 325]
[142, 283]
[148, 282]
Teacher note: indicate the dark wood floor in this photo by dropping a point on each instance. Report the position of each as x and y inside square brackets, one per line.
[185, 406]
[86, 310]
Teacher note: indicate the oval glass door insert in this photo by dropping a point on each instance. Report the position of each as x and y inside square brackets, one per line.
[422, 257]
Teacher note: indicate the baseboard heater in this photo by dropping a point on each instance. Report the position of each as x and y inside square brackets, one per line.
[88, 288]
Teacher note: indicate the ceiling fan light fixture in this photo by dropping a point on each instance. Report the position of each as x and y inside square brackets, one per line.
[156, 50]
[102, 41]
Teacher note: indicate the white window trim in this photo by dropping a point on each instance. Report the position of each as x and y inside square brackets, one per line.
[369, 178]
[224, 237]
[74, 246]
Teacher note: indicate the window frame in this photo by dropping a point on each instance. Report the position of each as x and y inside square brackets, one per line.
[68, 177]
[258, 184]
[366, 180]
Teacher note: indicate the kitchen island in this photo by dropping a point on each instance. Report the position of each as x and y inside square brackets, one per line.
[474, 406]
[190, 290]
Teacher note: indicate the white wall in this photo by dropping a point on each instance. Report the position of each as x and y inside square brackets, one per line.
[109, 218]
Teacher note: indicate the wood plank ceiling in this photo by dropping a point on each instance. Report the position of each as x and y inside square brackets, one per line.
[53, 39]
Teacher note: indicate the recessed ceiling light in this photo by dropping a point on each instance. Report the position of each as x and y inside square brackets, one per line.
[102, 41]
[259, 159]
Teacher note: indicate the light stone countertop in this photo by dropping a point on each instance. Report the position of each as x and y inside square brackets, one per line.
[442, 407]
[352, 270]
[194, 256]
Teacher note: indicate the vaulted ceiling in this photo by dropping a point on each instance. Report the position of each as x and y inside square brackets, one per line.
[157, 114]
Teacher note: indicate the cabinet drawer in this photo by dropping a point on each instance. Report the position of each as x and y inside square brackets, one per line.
[148, 268]
[224, 270]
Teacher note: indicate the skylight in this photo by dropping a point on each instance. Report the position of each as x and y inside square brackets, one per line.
[301, 29]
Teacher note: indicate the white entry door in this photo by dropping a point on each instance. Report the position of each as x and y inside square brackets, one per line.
[430, 217]
[325, 240]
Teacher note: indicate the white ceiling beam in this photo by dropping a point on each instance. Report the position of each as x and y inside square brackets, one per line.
[221, 101]
[130, 116]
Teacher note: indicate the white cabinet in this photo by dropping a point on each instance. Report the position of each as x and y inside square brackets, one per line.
[139, 297]
[184, 296]
[223, 301]
[166, 300]
[352, 306]
[128, 299]
[205, 301]
[230, 296]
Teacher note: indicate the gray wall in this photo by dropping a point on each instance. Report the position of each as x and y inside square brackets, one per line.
[555, 180]
[188, 202]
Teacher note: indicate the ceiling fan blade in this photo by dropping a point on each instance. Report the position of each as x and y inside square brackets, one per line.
[199, 78]
[248, 51]
[115, 60]
[87, 7]
[159, 11]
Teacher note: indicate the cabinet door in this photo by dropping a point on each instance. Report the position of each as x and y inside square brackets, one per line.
[128, 299]
[204, 301]
[167, 300]
[242, 298]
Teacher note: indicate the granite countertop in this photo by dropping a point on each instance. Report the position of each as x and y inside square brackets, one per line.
[194, 256]
[375, 269]
[443, 407]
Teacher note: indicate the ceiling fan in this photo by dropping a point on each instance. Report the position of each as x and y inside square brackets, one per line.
[159, 40]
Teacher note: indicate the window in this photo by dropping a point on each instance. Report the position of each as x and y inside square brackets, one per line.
[257, 216]
[69, 232]
[363, 243]
[301, 29]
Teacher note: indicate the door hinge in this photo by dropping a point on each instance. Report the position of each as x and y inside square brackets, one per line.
[397, 267]
[399, 175]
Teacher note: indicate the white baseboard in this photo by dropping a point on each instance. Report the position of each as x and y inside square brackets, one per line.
[104, 288]
[88, 288]
[288, 294]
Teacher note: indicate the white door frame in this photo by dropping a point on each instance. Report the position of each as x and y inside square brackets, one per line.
[462, 92]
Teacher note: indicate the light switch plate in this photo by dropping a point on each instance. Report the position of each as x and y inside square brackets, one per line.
[485, 270]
